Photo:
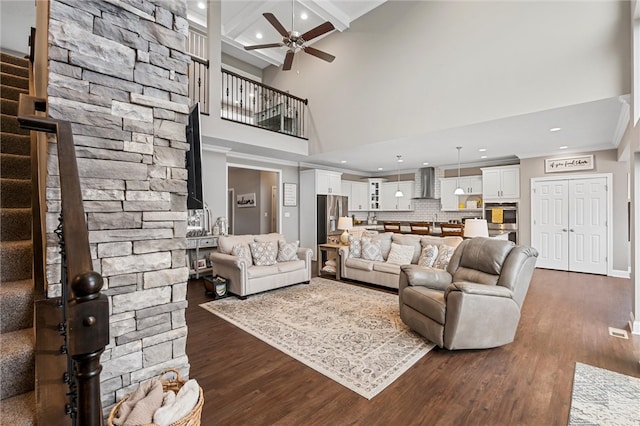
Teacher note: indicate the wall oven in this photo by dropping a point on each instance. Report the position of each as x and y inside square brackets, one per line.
[502, 218]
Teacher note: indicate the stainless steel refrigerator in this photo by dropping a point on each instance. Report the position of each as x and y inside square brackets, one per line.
[330, 208]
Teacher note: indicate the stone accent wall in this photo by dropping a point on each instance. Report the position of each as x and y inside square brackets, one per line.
[117, 71]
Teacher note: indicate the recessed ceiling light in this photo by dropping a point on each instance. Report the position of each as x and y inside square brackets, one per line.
[563, 147]
[483, 156]
[380, 168]
[555, 129]
[259, 35]
[343, 161]
[482, 149]
[426, 163]
[201, 5]
[303, 15]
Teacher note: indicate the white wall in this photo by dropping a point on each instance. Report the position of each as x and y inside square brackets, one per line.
[449, 64]
[16, 18]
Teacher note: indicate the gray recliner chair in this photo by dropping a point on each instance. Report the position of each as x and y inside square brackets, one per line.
[476, 302]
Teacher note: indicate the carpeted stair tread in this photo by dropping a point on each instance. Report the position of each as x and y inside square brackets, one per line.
[9, 124]
[15, 224]
[9, 107]
[18, 255]
[15, 193]
[12, 93]
[13, 69]
[13, 59]
[16, 305]
[15, 166]
[15, 144]
[19, 410]
[16, 363]
[14, 80]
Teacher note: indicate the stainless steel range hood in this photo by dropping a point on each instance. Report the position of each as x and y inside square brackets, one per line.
[427, 183]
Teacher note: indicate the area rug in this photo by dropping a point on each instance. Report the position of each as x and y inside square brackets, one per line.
[352, 335]
[603, 397]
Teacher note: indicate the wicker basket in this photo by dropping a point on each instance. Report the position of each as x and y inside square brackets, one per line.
[191, 419]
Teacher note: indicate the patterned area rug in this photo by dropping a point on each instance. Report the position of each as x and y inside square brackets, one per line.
[352, 335]
[602, 397]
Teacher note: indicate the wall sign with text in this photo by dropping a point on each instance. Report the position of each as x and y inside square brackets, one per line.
[569, 164]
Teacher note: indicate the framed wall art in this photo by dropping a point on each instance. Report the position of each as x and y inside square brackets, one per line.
[246, 200]
[290, 195]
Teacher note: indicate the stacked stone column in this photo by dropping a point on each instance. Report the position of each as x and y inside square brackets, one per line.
[117, 72]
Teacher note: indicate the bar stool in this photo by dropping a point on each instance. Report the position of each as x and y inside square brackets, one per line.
[420, 228]
[452, 229]
[391, 226]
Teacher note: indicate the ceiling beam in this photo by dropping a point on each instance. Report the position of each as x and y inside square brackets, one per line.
[328, 12]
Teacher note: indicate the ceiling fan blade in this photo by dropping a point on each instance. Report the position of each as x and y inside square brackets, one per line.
[276, 24]
[263, 46]
[288, 61]
[317, 31]
[318, 53]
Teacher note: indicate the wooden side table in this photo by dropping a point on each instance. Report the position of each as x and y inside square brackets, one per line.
[324, 250]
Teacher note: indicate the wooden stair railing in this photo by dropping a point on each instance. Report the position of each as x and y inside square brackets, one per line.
[85, 323]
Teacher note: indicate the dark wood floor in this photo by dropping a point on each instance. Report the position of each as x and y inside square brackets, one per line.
[565, 320]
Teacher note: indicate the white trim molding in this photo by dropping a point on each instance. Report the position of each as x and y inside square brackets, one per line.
[634, 324]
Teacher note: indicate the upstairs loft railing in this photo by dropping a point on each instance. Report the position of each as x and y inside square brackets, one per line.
[243, 100]
[84, 328]
[251, 102]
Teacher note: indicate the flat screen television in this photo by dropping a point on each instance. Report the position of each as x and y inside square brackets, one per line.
[194, 160]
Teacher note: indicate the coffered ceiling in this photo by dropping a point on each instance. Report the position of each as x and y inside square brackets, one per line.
[242, 23]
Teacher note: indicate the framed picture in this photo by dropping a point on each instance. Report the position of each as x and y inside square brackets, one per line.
[569, 164]
[290, 195]
[246, 200]
[200, 263]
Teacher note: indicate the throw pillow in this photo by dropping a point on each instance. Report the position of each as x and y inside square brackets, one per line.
[400, 255]
[428, 255]
[371, 249]
[444, 255]
[264, 253]
[242, 251]
[287, 251]
[355, 247]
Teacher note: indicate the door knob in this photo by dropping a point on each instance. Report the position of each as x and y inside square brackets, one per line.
[572, 230]
[564, 229]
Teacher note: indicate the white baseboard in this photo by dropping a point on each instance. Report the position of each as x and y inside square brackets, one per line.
[634, 324]
[619, 273]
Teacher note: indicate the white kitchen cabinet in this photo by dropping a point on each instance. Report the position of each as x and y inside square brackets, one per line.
[448, 200]
[359, 200]
[472, 187]
[374, 193]
[471, 184]
[328, 182]
[388, 199]
[501, 183]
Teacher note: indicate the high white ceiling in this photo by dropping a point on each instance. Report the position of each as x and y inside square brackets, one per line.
[592, 126]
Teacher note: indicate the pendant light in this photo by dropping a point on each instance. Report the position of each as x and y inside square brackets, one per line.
[459, 190]
[398, 192]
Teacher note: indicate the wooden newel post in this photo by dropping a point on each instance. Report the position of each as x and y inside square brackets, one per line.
[88, 321]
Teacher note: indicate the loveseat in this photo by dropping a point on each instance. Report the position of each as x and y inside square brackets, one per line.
[257, 263]
[360, 265]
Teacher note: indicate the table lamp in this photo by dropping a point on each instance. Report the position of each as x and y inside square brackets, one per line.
[475, 228]
[345, 223]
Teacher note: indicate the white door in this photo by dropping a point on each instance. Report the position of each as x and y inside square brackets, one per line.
[550, 224]
[588, 225]
[570, 224]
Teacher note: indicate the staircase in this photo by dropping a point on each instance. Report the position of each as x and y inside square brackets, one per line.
[17, 401]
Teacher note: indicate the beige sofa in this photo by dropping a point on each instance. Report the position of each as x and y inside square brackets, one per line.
[384, 273]
[245, 278]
